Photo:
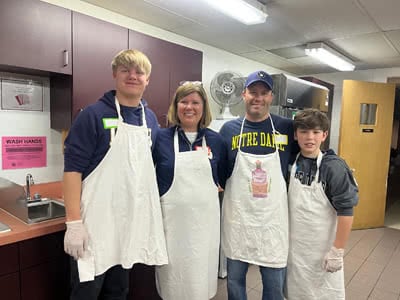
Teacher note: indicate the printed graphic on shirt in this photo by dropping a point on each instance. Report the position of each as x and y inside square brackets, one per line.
[259, 181]
[263, 139]
[307, 178]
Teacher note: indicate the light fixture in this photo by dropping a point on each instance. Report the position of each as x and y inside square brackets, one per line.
[329, 56]
[249, 12]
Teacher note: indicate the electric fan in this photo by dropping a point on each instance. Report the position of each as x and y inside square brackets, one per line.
[226, 89]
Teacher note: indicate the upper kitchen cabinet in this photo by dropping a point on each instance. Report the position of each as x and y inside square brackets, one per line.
[171, 64]
[35, 35]
[95, 43]
[157, 92]
[186, 65]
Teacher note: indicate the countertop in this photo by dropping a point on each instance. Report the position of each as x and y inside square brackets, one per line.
[21, 231]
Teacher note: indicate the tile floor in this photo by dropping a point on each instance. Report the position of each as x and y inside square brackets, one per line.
[372, 264]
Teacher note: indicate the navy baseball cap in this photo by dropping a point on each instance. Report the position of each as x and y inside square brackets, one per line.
[260, 76]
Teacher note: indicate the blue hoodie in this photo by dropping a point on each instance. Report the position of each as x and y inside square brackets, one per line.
[88, 141]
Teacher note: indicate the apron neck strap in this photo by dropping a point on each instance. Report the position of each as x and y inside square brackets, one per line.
[176, 142]
[319, 160]
[273, 132]
[118, 107]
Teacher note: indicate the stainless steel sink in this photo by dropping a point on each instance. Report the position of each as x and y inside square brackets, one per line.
[45, 209]
[32, 212]
[18, 202]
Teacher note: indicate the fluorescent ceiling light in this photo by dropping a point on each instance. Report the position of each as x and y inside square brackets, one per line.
[249, 12]
[329, 56]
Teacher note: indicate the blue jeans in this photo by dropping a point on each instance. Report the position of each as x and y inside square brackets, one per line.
[273, 280]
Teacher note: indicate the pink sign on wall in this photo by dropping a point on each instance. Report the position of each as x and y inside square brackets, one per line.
[21, 152]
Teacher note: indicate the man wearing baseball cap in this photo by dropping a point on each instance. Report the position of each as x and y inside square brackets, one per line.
[255, 209]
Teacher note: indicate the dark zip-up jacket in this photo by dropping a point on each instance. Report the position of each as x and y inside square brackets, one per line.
[164, 155]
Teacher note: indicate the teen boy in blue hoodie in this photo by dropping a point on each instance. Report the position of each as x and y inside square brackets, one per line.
[113, 214]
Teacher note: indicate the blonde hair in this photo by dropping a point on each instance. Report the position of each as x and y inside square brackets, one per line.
[182, 91]
[132, 58]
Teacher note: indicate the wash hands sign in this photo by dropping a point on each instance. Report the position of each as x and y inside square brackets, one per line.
[23, 152]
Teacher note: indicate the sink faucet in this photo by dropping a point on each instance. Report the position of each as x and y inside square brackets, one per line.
[29, 181]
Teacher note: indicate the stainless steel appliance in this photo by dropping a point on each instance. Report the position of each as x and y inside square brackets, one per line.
[292, 94]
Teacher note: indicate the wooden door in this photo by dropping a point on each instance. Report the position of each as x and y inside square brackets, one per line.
[366, 147]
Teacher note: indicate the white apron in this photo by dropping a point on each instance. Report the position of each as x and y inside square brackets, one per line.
[255, 210]
[192, 228]
[120, 205]
[312, 233]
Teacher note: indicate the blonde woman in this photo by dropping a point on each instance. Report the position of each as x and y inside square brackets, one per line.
[190, 165]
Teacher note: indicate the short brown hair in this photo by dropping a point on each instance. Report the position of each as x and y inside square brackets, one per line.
[132, 58]
[311, 118]
[182, 91]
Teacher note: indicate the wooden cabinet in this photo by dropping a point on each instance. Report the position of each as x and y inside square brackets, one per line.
[9, 260]
[39, 269]
[35, 35]
[9, 276]
[171, 64]
[157, 92]
[95, 43]
[47, 281]
[44, 268]
[35, 269]
[9, 287]
[185, 65]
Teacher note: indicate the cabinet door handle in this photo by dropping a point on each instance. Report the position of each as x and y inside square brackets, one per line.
[65, 55]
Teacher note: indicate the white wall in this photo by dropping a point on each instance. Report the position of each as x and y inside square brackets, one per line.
[372, 75]
[33, 123]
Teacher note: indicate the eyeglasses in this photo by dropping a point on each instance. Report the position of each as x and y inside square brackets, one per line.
[185, 82]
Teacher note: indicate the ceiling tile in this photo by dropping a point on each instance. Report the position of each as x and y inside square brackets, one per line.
[290, 52]
[322, 19]
[269, 59]
[365, 47]
[144, 12]
[394, 38]
[385, 13]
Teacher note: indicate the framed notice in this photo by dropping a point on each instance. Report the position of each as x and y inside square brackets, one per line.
[21, 95]
[21, 152]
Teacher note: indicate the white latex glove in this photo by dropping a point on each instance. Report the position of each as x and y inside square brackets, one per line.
[333, 260]
[75, 239]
